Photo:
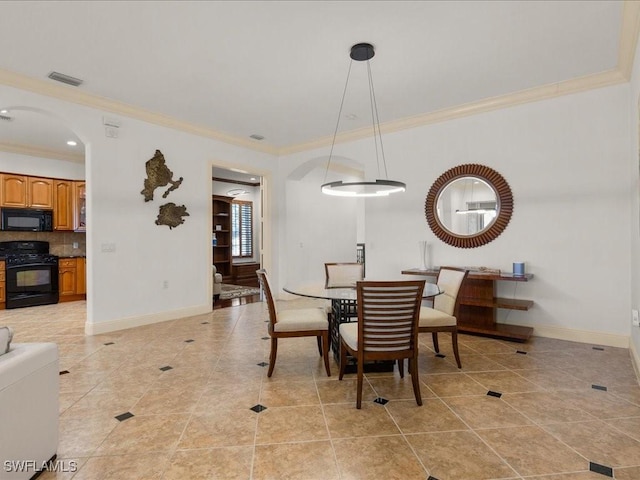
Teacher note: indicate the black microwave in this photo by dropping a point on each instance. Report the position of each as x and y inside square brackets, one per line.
[26, 220]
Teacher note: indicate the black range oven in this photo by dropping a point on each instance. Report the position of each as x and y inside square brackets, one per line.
[31, 274]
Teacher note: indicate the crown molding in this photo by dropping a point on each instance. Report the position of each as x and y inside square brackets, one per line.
[628, 37]
[80, 97]
[576, 85]
[34, 151]
[629, 31]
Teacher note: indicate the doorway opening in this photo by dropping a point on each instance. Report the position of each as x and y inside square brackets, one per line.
[237, 236]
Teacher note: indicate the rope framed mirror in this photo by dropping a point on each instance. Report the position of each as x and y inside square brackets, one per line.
[469, 206]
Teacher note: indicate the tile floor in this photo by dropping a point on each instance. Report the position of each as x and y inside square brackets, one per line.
[188, 387]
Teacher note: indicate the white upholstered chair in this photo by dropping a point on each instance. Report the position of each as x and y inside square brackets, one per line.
[217, 283]
[343, 274]
[443, 316]
[387, 328]
[300, 322]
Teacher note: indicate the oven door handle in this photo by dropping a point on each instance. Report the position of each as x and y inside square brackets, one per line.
[30, 265]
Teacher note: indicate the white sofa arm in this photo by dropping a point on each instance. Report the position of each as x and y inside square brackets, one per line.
[29, 408]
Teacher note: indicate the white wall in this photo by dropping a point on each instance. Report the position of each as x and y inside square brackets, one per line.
[42, 167]
[125, 287]
[319, 229]
[634, 199]
[566, 160]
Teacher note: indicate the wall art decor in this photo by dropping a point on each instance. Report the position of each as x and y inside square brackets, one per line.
[158, 175]
[171, 215]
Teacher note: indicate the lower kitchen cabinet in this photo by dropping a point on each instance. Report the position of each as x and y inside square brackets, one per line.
[2, 285]
[72, 279]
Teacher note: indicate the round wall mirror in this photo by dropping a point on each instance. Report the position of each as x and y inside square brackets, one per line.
[469, 206]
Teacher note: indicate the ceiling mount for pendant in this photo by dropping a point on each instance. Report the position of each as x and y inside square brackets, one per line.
[362, 52]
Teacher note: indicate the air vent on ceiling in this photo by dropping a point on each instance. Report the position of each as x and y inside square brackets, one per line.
[61, 77]
[4, 117]
[255, 136]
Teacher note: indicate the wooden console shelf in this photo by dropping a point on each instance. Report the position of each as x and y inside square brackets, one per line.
[478, 304]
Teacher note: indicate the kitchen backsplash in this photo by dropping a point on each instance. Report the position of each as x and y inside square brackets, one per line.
[60, 243]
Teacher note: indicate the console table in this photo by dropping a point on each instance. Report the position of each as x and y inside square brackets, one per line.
[479, 304]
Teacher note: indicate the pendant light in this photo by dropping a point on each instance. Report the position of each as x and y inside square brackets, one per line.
[381, 187]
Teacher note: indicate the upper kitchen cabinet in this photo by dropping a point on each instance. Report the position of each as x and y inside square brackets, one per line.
[24, 191]
[63, 205]
[79, 206]
[39, 192]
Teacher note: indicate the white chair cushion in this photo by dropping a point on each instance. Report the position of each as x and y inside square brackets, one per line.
[349, 333]
[430, 317]
[300, 319]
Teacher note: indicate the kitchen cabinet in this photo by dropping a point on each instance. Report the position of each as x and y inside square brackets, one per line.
[63, 205]
[24, 191]
[14, 190]
[81, 276]
[79, 206]
[39, 192]
[2, 285]
[71, 279]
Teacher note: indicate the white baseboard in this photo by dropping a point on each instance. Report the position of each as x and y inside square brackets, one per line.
[635, 359]
[582, 336]
[96, 328]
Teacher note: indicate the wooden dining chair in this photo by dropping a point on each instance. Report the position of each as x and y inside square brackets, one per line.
[387, 328]
[443, 316]
[300, 322]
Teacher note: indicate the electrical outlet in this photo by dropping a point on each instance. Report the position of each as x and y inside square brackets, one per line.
[165, 284]
[108, 247]
[635, 319]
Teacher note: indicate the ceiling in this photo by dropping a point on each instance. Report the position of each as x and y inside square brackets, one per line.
[278, 68]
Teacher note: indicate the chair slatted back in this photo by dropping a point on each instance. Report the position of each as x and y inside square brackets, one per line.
[388, 314]
[343, 274]
[264, 283]
[450, 280]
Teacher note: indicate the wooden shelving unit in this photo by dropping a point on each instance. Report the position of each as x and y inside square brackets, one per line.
[222, 230]
[479, 304]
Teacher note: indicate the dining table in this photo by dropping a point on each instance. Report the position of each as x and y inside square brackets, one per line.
[344, 308]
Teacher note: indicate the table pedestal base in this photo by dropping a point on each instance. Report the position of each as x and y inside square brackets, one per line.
[343, 311]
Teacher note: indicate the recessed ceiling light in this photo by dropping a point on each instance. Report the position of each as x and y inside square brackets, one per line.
[255, 136]
[253, 179]
[4, 110]
[72, 143]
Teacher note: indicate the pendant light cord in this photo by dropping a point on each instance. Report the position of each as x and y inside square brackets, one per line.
[335, 132]
[375, 120]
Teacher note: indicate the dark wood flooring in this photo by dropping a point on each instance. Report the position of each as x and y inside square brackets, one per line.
[234, 302]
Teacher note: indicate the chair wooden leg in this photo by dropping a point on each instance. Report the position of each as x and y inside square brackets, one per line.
[325, 352]
[401, 367]
[360, 382]
[272, 355]
[413, 363]
[319, 340]
[454, 339]
[343, 360]
[436, 347]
